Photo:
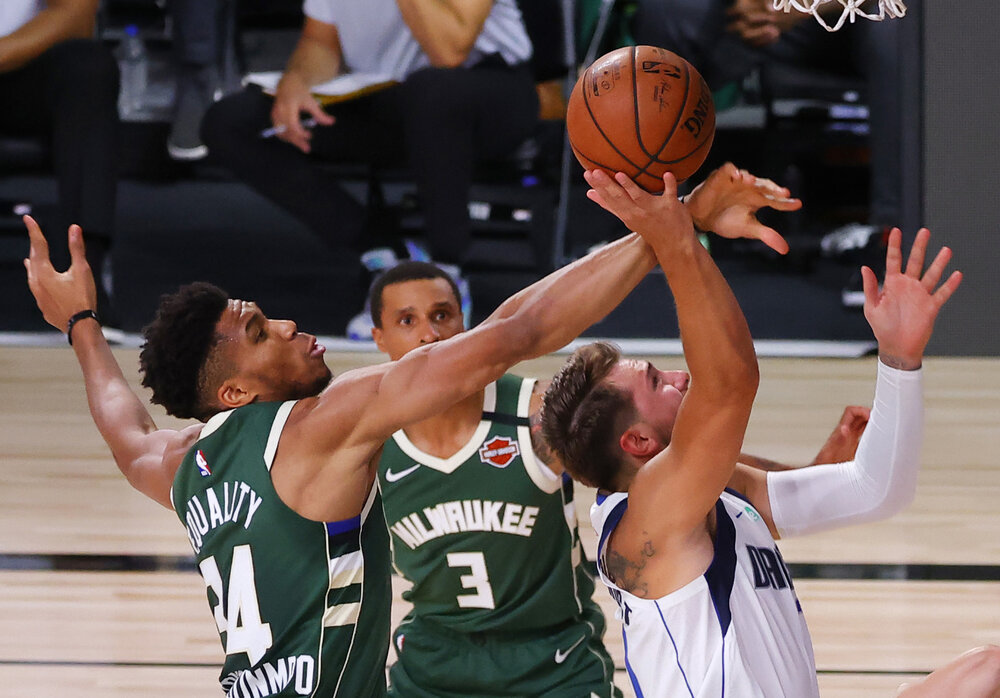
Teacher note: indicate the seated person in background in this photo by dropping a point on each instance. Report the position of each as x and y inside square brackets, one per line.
[727, 39]
[58, 83]
[466, 92]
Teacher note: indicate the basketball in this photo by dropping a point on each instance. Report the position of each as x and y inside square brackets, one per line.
[641, 110]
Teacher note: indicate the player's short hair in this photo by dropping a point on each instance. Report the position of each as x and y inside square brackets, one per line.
[179, 361]
[406, 271]
[583, 416]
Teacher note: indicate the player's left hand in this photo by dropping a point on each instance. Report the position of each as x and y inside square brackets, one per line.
[903, 311]
[727, 202]
[59, 295]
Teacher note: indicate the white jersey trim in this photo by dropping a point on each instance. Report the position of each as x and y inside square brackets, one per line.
[450, 464]
[213, 424]
[277, 426]
[540, 474]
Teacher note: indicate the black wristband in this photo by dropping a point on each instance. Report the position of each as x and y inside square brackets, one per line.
[82, 315]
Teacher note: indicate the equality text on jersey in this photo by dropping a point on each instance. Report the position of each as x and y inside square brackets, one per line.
[226, 502]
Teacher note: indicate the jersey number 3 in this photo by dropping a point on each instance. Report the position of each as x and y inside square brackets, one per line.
[478, 579]
[239, 617]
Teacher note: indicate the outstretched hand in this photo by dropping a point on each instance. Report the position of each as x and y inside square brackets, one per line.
[656, 217]
[842, 443]
[903, 311]
[727, 202]
[59, 295]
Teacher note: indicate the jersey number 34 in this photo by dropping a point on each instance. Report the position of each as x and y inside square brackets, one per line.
[239, 618]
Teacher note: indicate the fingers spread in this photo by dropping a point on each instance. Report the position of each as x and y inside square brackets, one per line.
[915, 263]
[936, 270]
[948, 288]
[893, 253]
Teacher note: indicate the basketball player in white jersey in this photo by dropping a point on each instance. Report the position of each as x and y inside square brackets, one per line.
[687, 536]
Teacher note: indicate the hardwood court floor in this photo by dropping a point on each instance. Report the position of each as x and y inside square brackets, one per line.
[98, 596]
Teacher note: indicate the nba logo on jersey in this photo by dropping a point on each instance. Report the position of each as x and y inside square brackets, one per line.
[199, 458]
[499, 451]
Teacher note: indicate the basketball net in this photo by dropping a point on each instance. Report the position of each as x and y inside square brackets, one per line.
[893, 9]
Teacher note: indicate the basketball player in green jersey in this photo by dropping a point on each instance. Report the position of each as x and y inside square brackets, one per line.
[502, 602]
[483, 528]
[275, 488]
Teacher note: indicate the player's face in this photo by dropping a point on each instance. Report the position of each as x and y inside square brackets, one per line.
[415, 313]
[272, 357]
[657, 394]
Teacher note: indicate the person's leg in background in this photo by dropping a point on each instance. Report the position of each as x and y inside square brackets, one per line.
[80, 98]
[366, 130]
[201, 42]
[454, 119]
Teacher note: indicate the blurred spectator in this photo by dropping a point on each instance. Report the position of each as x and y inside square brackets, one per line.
[466, 92]
[58, 83]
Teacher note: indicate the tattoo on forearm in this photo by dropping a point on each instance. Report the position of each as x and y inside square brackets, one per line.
[628, 574]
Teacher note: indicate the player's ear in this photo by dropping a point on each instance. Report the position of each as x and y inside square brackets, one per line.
[232, 394]
[377, 336]
[639, 441]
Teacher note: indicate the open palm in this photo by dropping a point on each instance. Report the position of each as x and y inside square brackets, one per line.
[902, 312]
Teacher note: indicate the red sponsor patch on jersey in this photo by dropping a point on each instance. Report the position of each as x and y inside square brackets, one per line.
[499, 451]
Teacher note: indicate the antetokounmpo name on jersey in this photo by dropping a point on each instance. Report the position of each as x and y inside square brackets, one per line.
[465, 515]
[270, 678]
[226, 502]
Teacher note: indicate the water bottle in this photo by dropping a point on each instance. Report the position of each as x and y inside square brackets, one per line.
[134, 64]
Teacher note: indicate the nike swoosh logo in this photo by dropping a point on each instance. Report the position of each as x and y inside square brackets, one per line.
[561, 656]
[393, 477]
[739, 515]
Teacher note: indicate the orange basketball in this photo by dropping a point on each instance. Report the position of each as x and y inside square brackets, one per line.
[641, 110]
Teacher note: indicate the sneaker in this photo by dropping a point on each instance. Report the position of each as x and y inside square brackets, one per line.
[196, 90]
[376, 261]
[850, 238]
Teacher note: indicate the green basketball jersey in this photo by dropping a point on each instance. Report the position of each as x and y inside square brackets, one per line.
[489, 536]
[302, 606]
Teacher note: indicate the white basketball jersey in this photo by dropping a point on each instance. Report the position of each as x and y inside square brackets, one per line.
[737, 630]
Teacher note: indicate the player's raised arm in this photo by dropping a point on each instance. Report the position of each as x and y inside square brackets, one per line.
[708, 433]
[881, 480]
[538, 320]
[127, 427]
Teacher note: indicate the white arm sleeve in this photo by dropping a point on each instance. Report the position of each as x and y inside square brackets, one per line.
[881, 480]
